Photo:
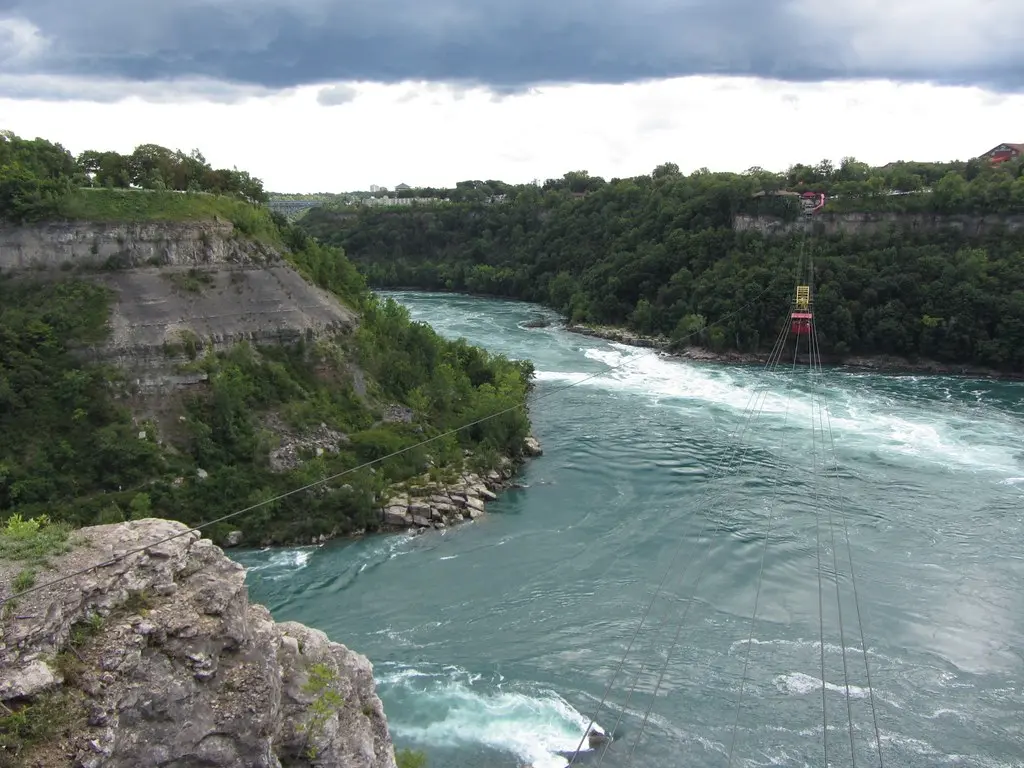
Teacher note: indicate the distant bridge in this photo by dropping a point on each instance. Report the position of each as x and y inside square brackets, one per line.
[293, 207]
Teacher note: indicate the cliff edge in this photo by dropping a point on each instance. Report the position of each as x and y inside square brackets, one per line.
[159, 659]
[174, 284]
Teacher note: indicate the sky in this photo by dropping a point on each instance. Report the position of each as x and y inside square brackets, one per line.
[333, 95]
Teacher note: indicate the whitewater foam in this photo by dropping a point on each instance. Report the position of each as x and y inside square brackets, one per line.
[454, 707]
[285, 561]
[799, 683]
[855, 413]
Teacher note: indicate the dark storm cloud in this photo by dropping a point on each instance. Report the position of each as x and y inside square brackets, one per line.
[510, 45]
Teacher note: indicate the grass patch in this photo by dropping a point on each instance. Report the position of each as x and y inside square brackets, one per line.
[130, 205]
[33, 540]
[81, 631]
[69, 662]
[24, 580]
[192, 281]
[408, 758]
[50, 717]
[139, 603]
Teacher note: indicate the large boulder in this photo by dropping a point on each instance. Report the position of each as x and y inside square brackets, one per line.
[158, 658]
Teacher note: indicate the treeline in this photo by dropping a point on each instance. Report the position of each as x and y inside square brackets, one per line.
[73, 449]
[37, 176]
[947, 187]
[658, 253]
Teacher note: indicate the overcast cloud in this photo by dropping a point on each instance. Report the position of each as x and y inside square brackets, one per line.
[506, 45]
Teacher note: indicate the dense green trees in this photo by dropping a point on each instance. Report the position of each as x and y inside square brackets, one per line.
[82, 446]
[37, 175]
[659, 253]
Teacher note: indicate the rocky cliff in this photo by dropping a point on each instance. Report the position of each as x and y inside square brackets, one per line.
[177, 287]
[159, 659]
[827, 224]
[49, 245]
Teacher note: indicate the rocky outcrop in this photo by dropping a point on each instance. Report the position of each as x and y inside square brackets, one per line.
[621, 335]
[429, 504]
[864, 223]
[289, 454]
[425, 503]
[156, 243]
[531, 446]
[159, 658]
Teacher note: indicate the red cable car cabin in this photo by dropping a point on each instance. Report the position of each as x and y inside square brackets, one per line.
[801, 323]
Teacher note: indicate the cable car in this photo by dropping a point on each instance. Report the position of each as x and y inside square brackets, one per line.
[801, 317]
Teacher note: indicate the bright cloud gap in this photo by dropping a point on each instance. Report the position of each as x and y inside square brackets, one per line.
[433, 135]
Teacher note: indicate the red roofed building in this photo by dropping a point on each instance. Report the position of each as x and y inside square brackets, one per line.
[1004, 152]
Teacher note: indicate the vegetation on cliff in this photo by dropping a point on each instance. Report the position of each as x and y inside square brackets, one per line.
[658, 253]
[75, 449]
[42, 180]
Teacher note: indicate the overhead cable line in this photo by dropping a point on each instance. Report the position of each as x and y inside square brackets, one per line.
[760, 576]
[762, 389]
[821, 592]
[715, 474]
[802, 325]
[768, 367]
[708, 490]
[853, 578]
[839, 609]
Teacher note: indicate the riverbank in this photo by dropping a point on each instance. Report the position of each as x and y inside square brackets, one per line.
[880, 364]
[425, 502]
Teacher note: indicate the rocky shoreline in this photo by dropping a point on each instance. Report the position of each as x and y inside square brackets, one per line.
[425, 504]
[881, 364]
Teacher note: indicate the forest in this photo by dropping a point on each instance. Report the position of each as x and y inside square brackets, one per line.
[72, 450]
[658, 254]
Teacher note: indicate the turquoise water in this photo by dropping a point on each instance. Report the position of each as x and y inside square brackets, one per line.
[493, 642]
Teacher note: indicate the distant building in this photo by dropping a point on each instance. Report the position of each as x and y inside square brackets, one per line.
[375, 188]
[402, 188]
[810, 202]
[392, 201]
[1004, 152]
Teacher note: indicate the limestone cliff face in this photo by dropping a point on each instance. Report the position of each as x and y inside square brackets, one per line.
[82, 243]
[160, 659]
[827, 224]
[175, 285]
[153, 317]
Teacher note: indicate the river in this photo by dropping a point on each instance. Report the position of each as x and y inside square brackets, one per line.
[493, 642]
